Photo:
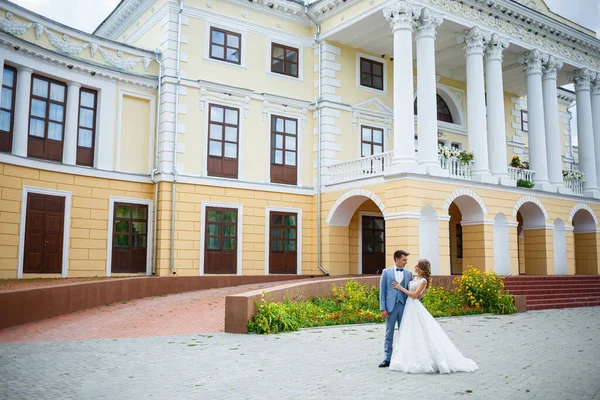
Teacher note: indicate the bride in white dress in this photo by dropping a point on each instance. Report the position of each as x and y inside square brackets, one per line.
[421, 345]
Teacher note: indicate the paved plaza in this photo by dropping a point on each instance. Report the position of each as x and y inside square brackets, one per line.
[551, 354]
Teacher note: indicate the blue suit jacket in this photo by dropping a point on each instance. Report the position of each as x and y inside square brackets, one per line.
[387, 294]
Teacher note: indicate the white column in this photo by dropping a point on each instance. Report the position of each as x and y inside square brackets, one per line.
[585, 131]
[551, 67]
[72, 120]
[474, 40]
[22, 112]
[532, 62]
[401, 17]
[496, 125]
[426, 26]
[596, 119]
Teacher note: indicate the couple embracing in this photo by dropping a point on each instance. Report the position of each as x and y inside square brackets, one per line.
[421, 345]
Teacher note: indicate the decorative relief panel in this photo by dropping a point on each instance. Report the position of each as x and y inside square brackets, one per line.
[206, 95]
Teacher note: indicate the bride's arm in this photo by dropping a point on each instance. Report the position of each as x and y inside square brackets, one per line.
[417, 292]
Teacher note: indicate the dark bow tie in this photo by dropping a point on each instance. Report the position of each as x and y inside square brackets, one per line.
[400, 269]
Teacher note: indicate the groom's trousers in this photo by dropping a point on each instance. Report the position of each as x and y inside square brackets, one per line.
[393, 318]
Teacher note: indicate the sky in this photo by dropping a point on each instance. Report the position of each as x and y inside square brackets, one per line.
[79, 14]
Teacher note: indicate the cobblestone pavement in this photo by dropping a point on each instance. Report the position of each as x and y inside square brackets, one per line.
[175, 314]
[551, 354]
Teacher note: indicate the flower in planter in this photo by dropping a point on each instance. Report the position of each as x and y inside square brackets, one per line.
[515, 162]
[574, 175]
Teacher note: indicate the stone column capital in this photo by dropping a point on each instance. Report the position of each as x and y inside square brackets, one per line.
[74, 84]
[23, 69]
[427, 23]
[495, 46]
[401, 15]
[582, 78]
[474, 40]
[531, 61]
[550, 66]
[596, 84]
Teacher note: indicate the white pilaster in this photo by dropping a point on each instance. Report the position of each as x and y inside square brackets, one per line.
[495, 109]
[532, 62]
[72, 119]
[551, 66]
[474, 40]
[585, 131]
[22, 112]
[595, 97]
[401, 17]
[426, 26]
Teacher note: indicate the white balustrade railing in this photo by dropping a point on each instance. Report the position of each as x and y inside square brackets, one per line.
[520, 173]
[455, 167]
[365, 167]
[575, 185]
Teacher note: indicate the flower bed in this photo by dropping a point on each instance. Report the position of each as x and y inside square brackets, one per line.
[356, 303]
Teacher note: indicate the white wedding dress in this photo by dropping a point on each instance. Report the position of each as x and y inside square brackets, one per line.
[422, 346]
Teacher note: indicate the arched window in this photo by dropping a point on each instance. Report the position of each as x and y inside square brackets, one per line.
[443, 111]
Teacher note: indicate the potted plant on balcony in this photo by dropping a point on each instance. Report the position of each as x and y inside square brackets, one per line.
[465, 158]
[515, 162]
[574, 175]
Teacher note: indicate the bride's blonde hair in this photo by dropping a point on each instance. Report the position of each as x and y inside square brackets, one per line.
[425, 267]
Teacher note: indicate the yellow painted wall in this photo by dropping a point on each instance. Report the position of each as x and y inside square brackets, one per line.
[136, 135]
[537, 252]
[89, 215]
[586, 253]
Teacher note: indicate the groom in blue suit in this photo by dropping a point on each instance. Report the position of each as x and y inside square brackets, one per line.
[392, 301]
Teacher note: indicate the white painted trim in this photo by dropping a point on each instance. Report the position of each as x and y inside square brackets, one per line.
[530, 199]
[465, 192]
[71, 169]
[241, 118]
[582, 206]
[538, 227]
[228, 26]
[383, 92]
[587, 231]
[240, 226]
[372, 124]
[444, 218]
[66, 226]
[270, 41]
[111, 222]
[237, 184]
[403, 215]
[352, 193]
[471, 223]
[299, 138]
[360, 235]
[298, 211]
[129, 93]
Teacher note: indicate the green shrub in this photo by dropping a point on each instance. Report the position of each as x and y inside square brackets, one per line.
[525, 183]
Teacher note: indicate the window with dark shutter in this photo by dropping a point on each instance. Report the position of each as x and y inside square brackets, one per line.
[284, 144]
[86, 132]
[223, 134]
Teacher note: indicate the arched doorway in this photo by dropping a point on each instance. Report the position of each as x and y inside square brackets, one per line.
[429, 238]
[534, 237]
[586, 242]
[560, 247]
[468, 233]
[354, 237]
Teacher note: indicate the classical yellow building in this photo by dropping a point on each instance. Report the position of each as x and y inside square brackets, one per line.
[257, 137]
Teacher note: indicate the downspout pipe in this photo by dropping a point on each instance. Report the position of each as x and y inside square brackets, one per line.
[156, 163]
[174, 185]
[318, 108]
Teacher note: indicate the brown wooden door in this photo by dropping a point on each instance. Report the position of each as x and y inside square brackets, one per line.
[283, 241]
[373, 245]
[220, 246]
[44, 234]
[130, 237]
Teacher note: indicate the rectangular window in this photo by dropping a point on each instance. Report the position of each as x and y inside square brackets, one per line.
[283, 247]
[86, 131]
[7, 108]
[46, 118]
[284, 150]
[371, 141]
[371, 74]
[284, 60]
[524, 121]
[223, 134]
[225, 45]
[220, 247]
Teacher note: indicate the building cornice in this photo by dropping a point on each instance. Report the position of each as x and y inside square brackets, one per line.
[122, 17]
[278, 8]
[79, 65]
[70, 42]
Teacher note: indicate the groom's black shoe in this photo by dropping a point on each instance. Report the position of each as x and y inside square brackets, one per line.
[384, 363]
